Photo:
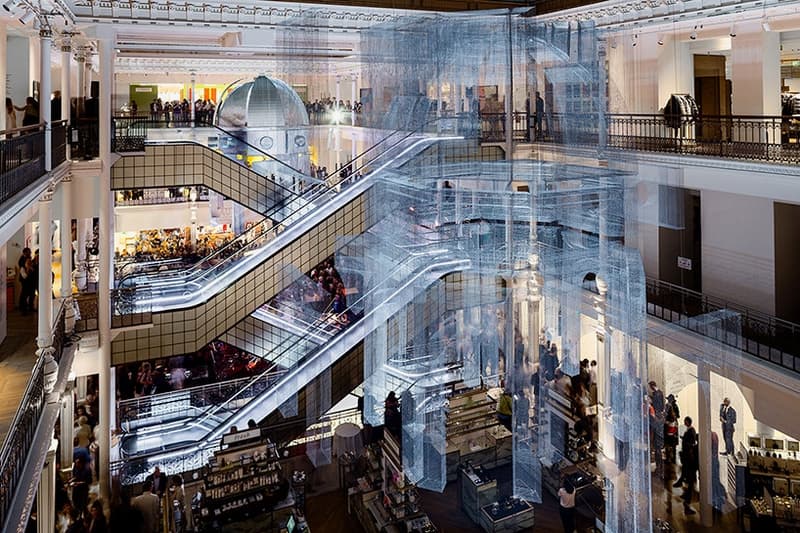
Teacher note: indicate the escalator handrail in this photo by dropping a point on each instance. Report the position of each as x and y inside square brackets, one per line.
[314, 192]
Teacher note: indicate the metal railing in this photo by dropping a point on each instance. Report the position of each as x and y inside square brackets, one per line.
[202, 397]
[493, 126]
[774, 139]
[58, 143]
[21, 159]
[88, 309]
[127, 308]
[84, 139]
[763, 336]
[22, 431]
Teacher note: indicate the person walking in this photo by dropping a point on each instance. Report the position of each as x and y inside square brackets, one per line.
[727, 415]
[566, 505]
[539, 115]
[689, 465]
[148, 506]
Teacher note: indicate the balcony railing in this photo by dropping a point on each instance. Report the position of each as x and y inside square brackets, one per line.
[58, 142]
[763, 336]
[21, 159]
[774, 139]
[22, 431]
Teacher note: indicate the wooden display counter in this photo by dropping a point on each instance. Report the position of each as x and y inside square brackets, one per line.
[500, 517]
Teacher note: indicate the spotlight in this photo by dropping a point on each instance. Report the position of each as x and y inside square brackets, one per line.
[635, 39]
[8, 6]
[765, 25]
[660, 40]
[732, 33]
[27, 17]
[693, 35]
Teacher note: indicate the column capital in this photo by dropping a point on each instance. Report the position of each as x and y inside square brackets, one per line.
[46, 32]
[47, 195]
[67, 178]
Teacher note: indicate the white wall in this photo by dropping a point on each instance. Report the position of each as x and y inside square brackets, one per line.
[738, 249]
[755, 70]
[17, 71]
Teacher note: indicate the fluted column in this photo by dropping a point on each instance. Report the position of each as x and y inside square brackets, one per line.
[67, 414]
[45, 270]
[46, 36]
[66, 79]
[80, 59]
[46, 499]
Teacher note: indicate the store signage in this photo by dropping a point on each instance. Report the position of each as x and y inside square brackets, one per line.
[685, 263]
[143, 89]
[241, 436]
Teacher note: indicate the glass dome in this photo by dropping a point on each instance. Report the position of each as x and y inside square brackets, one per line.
[262, 103]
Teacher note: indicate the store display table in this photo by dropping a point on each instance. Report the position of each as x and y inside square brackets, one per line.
[347, 438]
[501, 517]
[477, 491]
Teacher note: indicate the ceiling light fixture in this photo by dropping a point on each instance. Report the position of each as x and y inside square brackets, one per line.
[660, 40]
[8, 6]
[693, 35]
[732, 33]
[27, 17]
[765, 24]
[635, 39]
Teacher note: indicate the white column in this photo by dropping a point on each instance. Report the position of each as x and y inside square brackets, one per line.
[67, 414]
[106, 46]
[338, 91]
[45, 268]
[192, 98]
[703, 428]
[80, 59]
[46, 36]
[66, 237]
[66, 94]
[353, 100]
[3, 71]
[46, 500]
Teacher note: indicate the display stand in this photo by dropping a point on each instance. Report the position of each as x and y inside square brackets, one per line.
[477, 490]
[507, 516]
[243, 480]
[474, 434]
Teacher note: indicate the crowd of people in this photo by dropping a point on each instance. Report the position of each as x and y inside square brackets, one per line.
[323, 110]
[176, 111]
[77, 511]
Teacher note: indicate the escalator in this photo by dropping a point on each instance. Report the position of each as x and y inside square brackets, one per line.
[419, 258]
[200, 303]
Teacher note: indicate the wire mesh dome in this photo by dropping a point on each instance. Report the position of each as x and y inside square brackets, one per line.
[262, 103]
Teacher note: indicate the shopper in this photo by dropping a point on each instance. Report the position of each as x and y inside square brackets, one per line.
[391, 415]
[147, 504]
[97, 520]
[504, 409]
[158, 480]
[81, 480]
[31, 112]
[539, 115]
[727, 415]
[28, 280]
[11, 115]
[689, 464]
[566, 505]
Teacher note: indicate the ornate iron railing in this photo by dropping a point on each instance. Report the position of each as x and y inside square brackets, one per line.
[763, 336]
[22, 431]
[85, 139]
[58, 143]
[21, 159]
[128, 309]
[493, 126]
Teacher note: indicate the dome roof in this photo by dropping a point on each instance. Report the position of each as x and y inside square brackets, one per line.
[262, 103]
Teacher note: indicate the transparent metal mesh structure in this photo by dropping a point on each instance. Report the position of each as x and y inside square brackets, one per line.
[318, 402]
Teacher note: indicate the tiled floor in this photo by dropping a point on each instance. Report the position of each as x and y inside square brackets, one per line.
[17, 357]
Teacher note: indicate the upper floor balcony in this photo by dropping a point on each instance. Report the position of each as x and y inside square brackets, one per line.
[753, 138]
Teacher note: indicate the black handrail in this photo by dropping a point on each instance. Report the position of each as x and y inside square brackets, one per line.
[764, 336]
[21, 159]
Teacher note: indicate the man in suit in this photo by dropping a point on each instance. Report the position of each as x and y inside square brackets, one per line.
[727, 415]
[148, 506]
[158, 482]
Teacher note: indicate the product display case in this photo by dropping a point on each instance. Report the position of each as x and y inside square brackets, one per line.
[477, 490]
[242, 481]
[474, 434]
[508, 515]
